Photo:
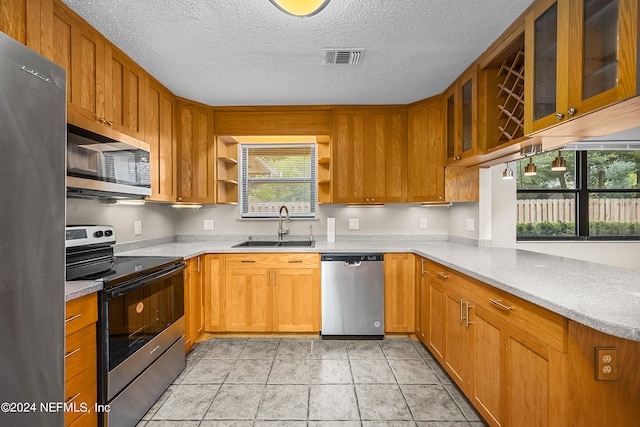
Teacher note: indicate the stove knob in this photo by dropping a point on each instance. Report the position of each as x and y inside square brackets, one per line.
[98, 234]
[108, 233]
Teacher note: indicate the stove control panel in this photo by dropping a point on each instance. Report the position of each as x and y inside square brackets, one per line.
[83, 235]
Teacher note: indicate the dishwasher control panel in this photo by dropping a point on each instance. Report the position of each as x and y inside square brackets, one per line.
[352, 257]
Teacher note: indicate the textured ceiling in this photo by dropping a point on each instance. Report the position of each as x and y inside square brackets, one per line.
[247, 52]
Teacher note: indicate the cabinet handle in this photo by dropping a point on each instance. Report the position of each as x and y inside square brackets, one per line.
[373, 200]
[274, 278]
[247, 260]
[559, 116]
[110, 123]
[422, 266]
[294, 261]
[71, 353]
[366, 200]
[198, 266]
[572, 111]
[71, 399]
[461, 311]
[268, 279]
[500, 304]
[441, 274]
[102, 120]
[77, 316]
[467, 316]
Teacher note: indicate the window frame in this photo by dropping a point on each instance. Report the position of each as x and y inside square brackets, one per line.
[581, 194]
[243, 181]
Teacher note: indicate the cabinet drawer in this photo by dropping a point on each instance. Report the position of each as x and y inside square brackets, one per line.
[273, 260]
[81, 312]
[80, 351]
[81, 391]
[541, 323]
[445, 277]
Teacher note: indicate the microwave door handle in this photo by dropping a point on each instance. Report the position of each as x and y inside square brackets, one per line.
[140, 282]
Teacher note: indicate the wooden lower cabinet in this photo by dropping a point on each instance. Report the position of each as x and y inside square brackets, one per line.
[214, 298]
[422, 300]
[272, 292]
[193, 305]
[399, 292]
[81, 360]
[508, 358]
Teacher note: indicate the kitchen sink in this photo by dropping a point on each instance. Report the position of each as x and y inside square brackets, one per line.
[276, 243]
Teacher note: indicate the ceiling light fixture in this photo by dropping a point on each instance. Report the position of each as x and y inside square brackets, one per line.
[559, 164]
[300, 8]
[507, 173]
[530, 169]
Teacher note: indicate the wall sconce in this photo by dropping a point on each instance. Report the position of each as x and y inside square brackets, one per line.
[559, 164]
[507, 173]
[530, 169]
[300, 8]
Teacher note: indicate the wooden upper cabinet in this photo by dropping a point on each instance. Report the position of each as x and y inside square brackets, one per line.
[160, 134]
[425, 160]
[196, 154]
[104, 87]
[349, 150]
[579, 56]
[460, 117]
[123, 93]
[369, 155]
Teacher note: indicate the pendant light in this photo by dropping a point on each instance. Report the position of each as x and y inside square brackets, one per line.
[530, 169]
[559, 164]
[507, 173]
[300, 8]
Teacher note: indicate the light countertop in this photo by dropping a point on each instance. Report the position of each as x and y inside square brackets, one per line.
[602, 297]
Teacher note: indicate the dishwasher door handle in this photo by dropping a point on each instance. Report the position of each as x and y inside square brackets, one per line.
[353, 263]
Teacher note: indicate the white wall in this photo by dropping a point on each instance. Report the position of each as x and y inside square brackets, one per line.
[158, 220]
[388, 220]
[503, 214]
[459, 213]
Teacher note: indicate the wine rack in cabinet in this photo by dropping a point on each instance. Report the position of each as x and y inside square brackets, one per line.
[503, 94]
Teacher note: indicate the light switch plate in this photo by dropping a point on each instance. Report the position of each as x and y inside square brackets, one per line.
[209, 224]
[354, 224]
[423, 223]
[137, 228]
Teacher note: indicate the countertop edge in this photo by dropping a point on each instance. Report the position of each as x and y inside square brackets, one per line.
[452, 255]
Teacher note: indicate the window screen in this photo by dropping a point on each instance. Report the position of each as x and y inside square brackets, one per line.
[276, 175]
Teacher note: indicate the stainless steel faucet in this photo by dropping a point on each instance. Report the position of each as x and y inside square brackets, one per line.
[282, 232]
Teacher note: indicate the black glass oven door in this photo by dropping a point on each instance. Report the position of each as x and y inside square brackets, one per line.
[141, 310]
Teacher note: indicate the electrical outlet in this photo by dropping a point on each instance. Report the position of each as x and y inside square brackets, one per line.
[354, 224]
[137, 228]
[209, 224]
[606, 363]
[470, 224]
[423, 223]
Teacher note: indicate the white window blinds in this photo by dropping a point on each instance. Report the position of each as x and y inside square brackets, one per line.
[276, 175]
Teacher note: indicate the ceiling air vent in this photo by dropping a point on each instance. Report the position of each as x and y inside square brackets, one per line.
[343, 56]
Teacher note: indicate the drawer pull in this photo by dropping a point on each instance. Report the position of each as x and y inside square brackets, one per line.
[441, 274]
[71, 353]
[500, 304]
[247, 260]
[77, 316]
[71, 399]
[294, 260]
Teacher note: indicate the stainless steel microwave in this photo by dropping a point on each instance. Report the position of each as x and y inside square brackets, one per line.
[100, 167]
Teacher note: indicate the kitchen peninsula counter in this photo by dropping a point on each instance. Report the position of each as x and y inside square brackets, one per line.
[602, 297]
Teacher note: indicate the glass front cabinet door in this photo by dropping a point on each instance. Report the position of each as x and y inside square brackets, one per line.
[581, 55]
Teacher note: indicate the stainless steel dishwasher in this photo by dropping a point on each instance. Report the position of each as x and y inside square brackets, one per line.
[352, 296]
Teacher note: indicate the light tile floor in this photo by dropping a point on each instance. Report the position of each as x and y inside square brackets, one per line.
[310, 382]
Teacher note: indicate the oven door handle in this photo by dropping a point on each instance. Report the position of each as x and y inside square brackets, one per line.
[142, 281]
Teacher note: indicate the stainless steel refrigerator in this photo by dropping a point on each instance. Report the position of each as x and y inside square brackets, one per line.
[32, 252]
